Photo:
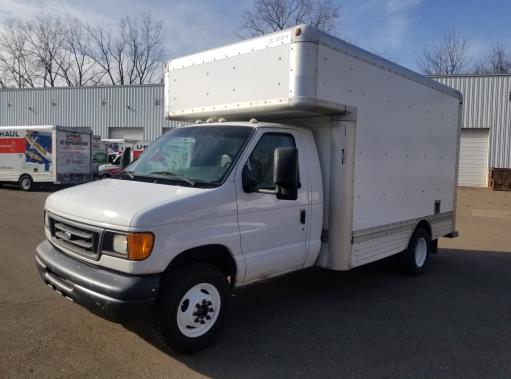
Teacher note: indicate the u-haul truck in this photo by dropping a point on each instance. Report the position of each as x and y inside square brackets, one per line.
[44, 154]
[311, 151]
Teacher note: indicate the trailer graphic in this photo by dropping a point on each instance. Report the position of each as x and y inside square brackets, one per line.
[35, 154]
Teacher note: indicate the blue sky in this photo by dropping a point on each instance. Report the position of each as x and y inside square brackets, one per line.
[397, 29]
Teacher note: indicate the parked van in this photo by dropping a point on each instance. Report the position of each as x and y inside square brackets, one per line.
[310, 152]
[45, 154]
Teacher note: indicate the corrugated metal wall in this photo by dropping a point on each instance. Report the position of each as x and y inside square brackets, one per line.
[97, 107]
[487, 104]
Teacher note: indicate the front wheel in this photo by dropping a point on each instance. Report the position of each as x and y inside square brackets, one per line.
[191, 306]
[415, 258]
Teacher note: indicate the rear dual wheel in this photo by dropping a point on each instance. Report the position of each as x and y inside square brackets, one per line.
[414, 260]
[25, 183]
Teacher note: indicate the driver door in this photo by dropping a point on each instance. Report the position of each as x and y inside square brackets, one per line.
[273, 231]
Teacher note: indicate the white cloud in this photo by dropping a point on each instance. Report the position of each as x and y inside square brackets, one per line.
[397, 21]
[381, 26]
[26, 10]
[189, 25]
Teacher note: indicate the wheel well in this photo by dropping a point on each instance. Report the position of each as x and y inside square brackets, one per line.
[215, 255]
[22, 175]
[425, 224]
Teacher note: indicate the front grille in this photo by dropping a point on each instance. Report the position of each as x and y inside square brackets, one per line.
[72, 237]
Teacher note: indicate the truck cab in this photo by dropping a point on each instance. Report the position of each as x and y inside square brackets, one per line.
[201, 196]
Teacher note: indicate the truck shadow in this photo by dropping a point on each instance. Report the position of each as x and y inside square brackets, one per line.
[370, 321]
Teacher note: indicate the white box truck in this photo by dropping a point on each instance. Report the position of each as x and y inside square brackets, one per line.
[331, 156]
[45, 154]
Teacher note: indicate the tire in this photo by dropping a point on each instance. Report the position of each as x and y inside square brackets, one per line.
[25, 183]
[414, 260]
[177, 323]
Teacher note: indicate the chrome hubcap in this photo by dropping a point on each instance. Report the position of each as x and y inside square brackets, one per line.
[421, 252]
[25, 183]
[198, 310]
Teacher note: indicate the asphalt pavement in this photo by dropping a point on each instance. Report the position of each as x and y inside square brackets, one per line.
[371, 322]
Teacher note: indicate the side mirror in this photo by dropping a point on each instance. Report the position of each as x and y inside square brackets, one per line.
[285, 172]
[125, 158]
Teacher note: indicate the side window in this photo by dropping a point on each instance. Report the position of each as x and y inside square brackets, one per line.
[260, 162]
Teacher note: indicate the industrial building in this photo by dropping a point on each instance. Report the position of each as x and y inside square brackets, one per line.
[486, 125]
[110, 111]
[138, 112]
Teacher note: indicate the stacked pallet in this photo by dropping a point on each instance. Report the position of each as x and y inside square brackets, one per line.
[500, 179]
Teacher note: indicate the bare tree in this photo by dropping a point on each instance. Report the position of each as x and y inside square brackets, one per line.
[45, 40]
[272, 15]
[132, 55]
[15, 58]
[148, 57]
[50, 51]
[497, 61]
[77, 68]
[447, 58]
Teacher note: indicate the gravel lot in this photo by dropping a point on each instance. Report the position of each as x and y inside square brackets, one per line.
[369, 322]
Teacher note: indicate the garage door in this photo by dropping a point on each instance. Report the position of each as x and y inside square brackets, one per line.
[473, 169]
[131, 133]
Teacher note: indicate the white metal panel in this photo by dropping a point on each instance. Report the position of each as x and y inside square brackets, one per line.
[98, 107]
[406, 139]
[279, 75]
[487, 104]
[473, 170]
[122, 133]
[241, 81]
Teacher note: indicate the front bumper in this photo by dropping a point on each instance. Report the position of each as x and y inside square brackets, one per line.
[116, 296]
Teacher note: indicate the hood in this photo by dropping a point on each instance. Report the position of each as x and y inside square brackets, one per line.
[114, 203]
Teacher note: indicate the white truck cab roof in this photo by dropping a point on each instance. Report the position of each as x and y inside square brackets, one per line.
[251, 124]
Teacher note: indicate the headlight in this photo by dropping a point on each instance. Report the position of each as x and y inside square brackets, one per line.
[133, 246]
[120, 244]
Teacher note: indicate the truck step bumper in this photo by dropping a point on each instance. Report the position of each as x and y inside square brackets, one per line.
[112, 295]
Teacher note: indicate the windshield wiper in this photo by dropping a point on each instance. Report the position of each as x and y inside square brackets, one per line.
[129, 173]
[174, 175]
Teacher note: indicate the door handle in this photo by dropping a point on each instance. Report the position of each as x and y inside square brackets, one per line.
[302, 216]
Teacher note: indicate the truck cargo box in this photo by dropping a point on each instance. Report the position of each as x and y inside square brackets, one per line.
[398, 130]
[47, 153]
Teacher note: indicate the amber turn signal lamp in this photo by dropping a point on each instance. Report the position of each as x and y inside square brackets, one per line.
[140, 245]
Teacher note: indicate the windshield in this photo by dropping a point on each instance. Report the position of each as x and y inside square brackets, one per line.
[193, 155]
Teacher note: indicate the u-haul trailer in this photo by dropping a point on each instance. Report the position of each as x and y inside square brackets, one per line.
[330, 156]
[45, 154]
